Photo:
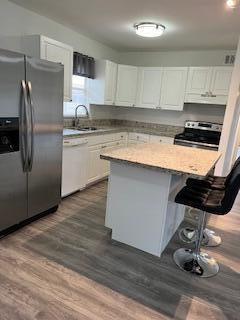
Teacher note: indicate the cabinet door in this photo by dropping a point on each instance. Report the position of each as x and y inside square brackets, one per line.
[221, 78]
[105, 164]
[110, 82]
[173, 88]
[161, 139]
[93, 163]
[58, 52]
[126, 85]
[141, 137]
[199, 79]
[149, 87]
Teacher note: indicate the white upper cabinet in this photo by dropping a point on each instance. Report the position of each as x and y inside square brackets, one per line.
[111, 82]
[59, 52]
[149, 87]
[126, 85]
[221, 78]
[39, 46]
[199, 79]
[102, 89]
[208, 85]
[173, 88]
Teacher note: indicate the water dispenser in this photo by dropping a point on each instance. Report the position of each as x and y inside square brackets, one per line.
[9, 135]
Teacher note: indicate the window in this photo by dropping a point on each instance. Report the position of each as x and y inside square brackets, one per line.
[78, 82]
[79, 96]
[79, 90]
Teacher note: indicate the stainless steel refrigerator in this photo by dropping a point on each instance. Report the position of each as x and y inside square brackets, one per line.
[31, 121]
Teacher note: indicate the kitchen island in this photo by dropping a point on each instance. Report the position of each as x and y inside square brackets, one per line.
[143, 183]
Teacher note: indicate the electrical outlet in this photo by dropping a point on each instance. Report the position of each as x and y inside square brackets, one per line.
[229, 59]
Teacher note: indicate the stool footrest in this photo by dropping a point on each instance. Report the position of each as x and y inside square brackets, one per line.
[210, 238]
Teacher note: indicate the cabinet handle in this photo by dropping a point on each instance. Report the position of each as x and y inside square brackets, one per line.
[158, 107]
[205, 95]
[212, 95]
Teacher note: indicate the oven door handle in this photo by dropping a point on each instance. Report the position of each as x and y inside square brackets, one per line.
[192, 143]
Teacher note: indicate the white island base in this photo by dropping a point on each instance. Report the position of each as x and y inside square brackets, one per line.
[140, 206]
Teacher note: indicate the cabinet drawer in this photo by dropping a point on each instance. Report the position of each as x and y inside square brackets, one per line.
[161, 139]
[104, 138]
[121, 136]
[139, 137]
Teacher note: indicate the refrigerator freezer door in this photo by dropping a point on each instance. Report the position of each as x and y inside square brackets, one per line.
[13, 181]
[45, 89]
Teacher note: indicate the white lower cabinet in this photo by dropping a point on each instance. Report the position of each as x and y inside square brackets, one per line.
[161, 139]
[98, 168]
[138, 138]
[135, 138]
[93, 163]
[104, 169]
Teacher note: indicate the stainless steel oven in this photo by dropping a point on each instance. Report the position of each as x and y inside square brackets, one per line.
[204, 135]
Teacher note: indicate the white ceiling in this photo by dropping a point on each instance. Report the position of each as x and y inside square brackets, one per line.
[190, 24]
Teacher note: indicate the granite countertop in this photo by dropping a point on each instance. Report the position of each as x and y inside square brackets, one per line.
[71, 132]
[172, 158]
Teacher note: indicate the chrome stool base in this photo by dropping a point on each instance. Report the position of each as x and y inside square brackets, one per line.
[210, 239]
[200, 265]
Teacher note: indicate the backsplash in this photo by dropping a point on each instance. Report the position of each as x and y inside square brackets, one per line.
[89, 122]
[172, 130]
[194, 112]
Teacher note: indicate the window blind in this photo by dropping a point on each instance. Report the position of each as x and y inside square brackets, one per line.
[83, 65]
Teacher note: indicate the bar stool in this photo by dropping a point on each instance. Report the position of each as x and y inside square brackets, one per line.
[211, 201]
[210, 239]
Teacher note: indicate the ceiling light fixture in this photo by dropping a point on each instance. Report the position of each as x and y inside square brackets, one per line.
[149, 29]
[232, 3]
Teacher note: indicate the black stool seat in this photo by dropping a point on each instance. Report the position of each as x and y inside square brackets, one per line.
[217, 183]
[213, 182]
[203, 199]
[207, 200]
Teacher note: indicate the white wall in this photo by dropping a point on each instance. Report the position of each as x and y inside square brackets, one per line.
[16, 21]
[199, 112]
[228, 143]
[175, 58]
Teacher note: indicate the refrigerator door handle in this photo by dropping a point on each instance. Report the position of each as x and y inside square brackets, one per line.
[24, 126]
[31, 151]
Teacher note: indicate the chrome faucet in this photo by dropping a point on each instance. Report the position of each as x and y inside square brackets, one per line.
[76, 114]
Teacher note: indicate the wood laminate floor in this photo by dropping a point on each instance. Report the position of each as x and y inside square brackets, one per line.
[65, 266]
